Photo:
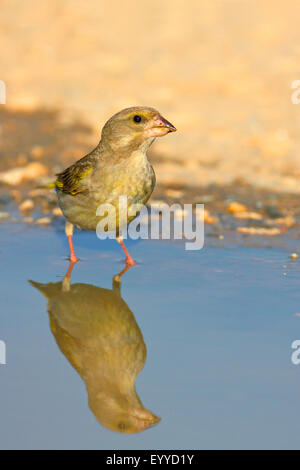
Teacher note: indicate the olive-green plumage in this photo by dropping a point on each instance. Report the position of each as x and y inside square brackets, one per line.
[98, 334]
[118, 166]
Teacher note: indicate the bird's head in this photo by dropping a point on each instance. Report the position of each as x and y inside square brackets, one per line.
[121, 414]
[134, 128]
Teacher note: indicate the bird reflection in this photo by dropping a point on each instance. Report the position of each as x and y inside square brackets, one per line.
[98, 334]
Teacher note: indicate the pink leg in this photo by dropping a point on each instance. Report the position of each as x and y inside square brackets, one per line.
[73, 257]
[66, 283]
[71, 266]
[129, 261]
[117, 277]
[69, 232]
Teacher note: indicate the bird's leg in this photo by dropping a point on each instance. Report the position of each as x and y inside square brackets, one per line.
[129, 261]
[69, 232]
[117, 277]
[66, 283]
[70, 269]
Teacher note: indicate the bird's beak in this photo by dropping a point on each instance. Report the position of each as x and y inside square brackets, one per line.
[159, 126]
[144, 419]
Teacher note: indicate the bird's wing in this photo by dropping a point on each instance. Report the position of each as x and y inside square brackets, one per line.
[71, 180]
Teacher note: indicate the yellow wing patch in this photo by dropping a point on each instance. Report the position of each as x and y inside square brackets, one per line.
[70, 180]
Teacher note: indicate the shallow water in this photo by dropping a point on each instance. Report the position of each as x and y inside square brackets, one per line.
[218, 326]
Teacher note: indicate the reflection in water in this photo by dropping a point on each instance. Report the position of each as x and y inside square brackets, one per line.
[98, 334]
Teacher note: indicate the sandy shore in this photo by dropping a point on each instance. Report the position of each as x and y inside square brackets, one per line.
[221, 71]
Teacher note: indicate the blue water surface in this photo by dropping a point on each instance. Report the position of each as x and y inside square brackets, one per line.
[218, 325]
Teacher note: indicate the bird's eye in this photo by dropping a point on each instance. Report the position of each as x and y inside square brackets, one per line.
[137, 118]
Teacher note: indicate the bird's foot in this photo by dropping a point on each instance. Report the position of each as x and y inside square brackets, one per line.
[130, 262]
[117, 277]
[73, 258]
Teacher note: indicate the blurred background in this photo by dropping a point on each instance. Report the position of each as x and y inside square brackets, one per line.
[221, 71]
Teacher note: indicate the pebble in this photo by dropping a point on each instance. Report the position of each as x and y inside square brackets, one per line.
[288, 221]
[259, 230]
[26, 205]
[43, 221]
[273, 212]
[248, 215]
[234, 207]
[57, 211]
[208, 218]
[30, 172]
[174, 193]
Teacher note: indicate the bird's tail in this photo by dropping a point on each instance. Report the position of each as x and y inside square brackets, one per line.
[47, 186]
[47, 289]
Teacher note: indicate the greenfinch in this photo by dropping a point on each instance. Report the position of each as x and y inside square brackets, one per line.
[118, 166]
[98, 334]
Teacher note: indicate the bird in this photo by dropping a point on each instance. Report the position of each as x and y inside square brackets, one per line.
[118, 166]
[98, 334]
